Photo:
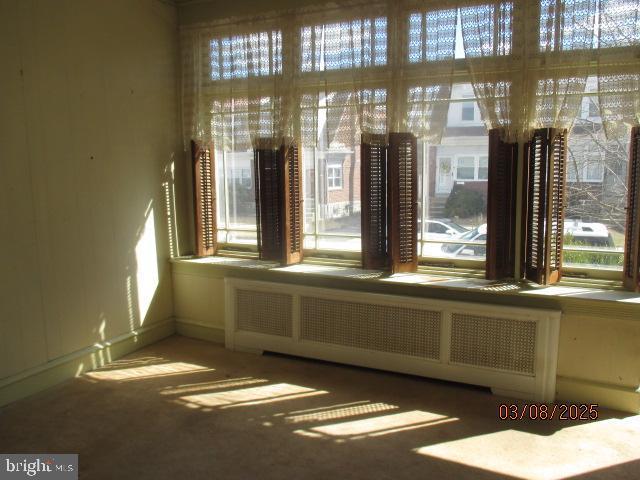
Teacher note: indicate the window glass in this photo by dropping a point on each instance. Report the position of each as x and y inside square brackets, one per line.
[619, 23]
[596, 195]
[483, 167]
[334, 176]
[351, 44]
[332, 165]
[242, 56]
[241, 195]
[436, 227]
[452, 191]
[234, 167]
[567, 25]
[466, 168]
[488, 30]
[468, 111]
[432, 35]
[332, 198]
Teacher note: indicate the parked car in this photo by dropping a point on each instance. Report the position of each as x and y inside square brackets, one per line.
[575, 233]
[443, 228]
[478, 234]
[587, 234]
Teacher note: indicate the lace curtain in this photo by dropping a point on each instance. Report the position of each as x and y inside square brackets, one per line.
[325, 76]
[619, 73]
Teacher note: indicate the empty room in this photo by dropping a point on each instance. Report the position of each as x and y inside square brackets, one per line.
[298, 239]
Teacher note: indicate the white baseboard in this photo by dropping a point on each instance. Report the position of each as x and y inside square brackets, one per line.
[74, 364]
[575, 390]
[189, 328]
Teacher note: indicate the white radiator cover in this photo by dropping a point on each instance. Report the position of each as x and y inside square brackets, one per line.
[511, 350]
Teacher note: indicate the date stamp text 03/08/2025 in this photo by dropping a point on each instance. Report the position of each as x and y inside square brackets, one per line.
[543, 411]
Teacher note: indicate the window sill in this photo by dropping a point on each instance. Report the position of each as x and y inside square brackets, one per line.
[581, 296]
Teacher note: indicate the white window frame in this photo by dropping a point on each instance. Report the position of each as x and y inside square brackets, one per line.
[308, 82]
[476, 168]
[332, 180]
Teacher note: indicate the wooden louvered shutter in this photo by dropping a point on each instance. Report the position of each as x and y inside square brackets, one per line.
[373, 194]
[544, 208]
[631, 276]
[501, 207]
[278, 202]
[204, 195]
[291, 206]
[402, 204]
[268, 200]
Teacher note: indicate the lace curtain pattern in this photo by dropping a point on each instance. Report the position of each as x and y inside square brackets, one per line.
[619, 74]
[324, 76]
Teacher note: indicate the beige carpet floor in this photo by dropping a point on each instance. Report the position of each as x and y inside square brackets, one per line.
[186, 409]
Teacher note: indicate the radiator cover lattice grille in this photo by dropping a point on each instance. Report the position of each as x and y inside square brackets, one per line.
[493, 342]
[383, 328]
[264, 312]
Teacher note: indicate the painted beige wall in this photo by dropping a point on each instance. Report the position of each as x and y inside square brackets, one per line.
[190, 12]
[88, 132]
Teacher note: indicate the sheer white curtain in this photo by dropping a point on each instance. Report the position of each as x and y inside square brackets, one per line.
[619, 67]
[234, 89]
[427, 68]
[566, 38]
[329, 74]
[341, 77]
[529, 74]
[497, 77]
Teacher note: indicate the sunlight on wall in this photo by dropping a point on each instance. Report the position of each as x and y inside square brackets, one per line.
[151, 371]
[147, 266]
[130, 302]
[529, 455]
[251, 396]
[170, 209]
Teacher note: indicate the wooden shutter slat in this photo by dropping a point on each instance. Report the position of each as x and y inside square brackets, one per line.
[631, 273]
[204, 189]
[501, 211]
[291, 202]
[402, 205]
[373, 178]
[544, 209]
[278, 201]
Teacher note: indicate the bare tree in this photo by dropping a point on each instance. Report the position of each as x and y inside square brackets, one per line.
[597, 171]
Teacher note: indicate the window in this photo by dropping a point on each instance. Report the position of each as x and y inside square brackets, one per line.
[338, 76]
[466, 168]
[234, 167]
[472, 168]
[594, 229]
[483, 167]
[331, 164]
[244, 56]
[567, 24]
[335, 46]
[334, 176]
[481, 32]
[451, 195]
[468, 112]
[432, 35]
